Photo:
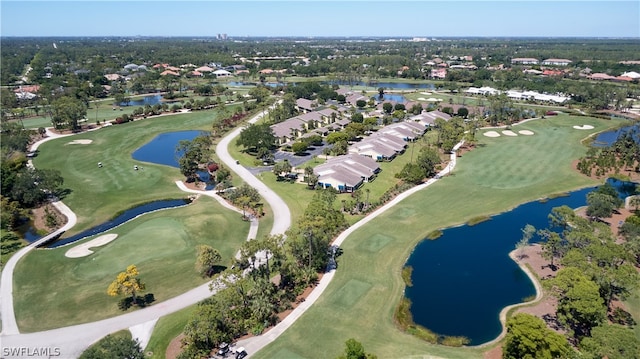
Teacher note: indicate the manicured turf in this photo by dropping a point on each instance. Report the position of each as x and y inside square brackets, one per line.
[167, 328]
[52, 291]
[97, 194]
[502, 173]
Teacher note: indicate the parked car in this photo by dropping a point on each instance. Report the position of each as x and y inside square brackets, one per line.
[240, 353]
[223, 349]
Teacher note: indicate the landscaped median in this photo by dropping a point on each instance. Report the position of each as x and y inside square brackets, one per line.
[367, 287]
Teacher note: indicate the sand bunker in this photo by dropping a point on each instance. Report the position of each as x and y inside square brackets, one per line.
[525, 132]
[80, 142]
[509, 133]
[425, 93]
[422, 99]
[583, 127]
[491, 134]
[82, 250]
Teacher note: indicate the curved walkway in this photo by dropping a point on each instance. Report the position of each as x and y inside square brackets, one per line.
[281, 213]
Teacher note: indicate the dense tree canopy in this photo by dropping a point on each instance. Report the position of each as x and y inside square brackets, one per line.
[529, 338]
[255, 137]
[114, 347]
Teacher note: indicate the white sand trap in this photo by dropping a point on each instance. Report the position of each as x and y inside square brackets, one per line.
[82, 250]
[583, 127]
[422, 99]
[525, 132]
[509, 133]
[491, 134]
[425, 93]
[80, 142]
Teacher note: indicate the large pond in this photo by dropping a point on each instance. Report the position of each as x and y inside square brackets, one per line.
[147, 100]
[162, 150]
[462, 280]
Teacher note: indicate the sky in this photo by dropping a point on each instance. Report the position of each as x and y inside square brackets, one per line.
[316, 18]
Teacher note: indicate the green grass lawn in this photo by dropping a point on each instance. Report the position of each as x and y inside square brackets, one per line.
[52, 290]
[167, 328]
[500, 174]
[97, 194]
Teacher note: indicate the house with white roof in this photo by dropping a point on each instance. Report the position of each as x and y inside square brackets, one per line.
[347, 172]
[222, 73]
[631, 74]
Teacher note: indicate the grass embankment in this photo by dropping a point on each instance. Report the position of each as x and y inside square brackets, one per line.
[52, 290]
[361, 300]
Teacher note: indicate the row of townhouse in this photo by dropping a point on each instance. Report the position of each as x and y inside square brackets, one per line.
[320, 122]
[347, 173]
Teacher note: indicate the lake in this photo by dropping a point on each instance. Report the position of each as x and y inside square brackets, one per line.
[462, 280]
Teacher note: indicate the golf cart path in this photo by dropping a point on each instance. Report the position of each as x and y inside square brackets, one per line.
[254, 344]
[71, 341]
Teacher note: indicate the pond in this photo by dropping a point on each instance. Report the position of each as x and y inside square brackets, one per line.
[162, 150]
[147, 100]
[462, 280]
[120, 219]
[607, 138]
[390, 97]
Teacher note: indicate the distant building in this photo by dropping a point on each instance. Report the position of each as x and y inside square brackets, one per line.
[524, 61]
[556, 62]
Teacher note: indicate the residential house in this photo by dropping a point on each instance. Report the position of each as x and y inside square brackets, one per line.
[222, 73]
[113, 77]
[406, 130]
[439, 73]
[205, 69]
[346, 173]
[169, 72]
[339, 178]
[304, 105]
[288, 130]
[376, 150]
